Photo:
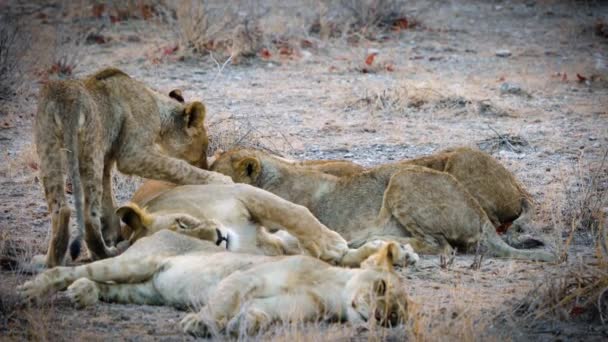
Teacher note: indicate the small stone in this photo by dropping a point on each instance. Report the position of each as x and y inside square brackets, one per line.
[511, 88]
[592, 138]
[348, 155]
[503, 53]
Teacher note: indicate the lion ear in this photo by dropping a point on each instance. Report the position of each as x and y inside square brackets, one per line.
[194, 114]
[176, 94]
[384, 258]
[248, 167]
[135, 219]
[380, 287]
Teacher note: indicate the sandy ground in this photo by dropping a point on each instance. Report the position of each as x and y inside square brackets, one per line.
[438, 85]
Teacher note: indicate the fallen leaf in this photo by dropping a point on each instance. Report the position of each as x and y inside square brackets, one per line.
[564, 77]
[400, 24]
[370, 58]
[264, 53]
[305, 43]
[390, 68]
[581, 78]
[170, 50]
[577, 310]
[501, 79]
[98, 10]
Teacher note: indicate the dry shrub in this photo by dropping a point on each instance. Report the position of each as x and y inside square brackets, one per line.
[360, 16]
[235, 131]
[588, 197]
[406, 97]
[579, 293]
[227, 28]
[13, 47]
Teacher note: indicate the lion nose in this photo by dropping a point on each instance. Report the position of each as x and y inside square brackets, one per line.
[221, 238]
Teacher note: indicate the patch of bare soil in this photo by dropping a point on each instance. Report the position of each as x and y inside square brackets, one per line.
[525, 81]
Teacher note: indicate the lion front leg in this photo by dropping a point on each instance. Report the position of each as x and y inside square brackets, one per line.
[152, 164]
[274, 212]
[406, 257]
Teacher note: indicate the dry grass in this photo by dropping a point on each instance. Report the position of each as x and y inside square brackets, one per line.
[235, 131]
[13, 47]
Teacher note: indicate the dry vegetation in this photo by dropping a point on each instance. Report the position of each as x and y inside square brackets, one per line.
[367, 80]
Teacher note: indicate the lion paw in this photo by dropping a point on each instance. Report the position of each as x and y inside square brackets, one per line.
[34, 289]
[407, 256]
[194, 324]
[333, 247]
[83, 292]
[251, 321]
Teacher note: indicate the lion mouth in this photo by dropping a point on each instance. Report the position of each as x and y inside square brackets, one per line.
[221, 238]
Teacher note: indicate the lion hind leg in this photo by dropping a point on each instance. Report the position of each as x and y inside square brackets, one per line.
[276, 213]
[52, 170]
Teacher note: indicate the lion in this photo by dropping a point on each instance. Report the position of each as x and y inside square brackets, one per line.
[417, 205]
[238, 216]
[102, 120]
[238, 292]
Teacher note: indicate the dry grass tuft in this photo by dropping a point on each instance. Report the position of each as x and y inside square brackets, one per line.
[360, 17]
[228, 29]
[13, 47]
[580, 293]
[226, 134]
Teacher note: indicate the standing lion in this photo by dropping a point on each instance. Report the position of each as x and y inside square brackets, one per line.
[106, 119]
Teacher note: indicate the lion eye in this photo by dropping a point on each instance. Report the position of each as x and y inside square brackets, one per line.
[181, 224]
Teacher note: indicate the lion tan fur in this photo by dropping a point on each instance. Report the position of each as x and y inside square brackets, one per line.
[237, 292]
[240, 215]
[429, 209]
[103, 120]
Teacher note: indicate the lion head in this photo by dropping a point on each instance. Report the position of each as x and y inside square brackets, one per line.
[377, 293]
[187, 137]
[139, 223]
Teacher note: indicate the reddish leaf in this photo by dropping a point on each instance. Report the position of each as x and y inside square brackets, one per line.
[33, 165]
[390, 68]
[147, 11]
[401, 24]
[305, 43]
[501, 79]
[370, 58]
[333, 69]
[577, 310]
[285, 51]
[98, 10]
[564, 77]
[581, 78]
[264, 53]
[170, 50]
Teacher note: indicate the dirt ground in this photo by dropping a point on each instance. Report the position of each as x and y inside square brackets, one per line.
[526, 81]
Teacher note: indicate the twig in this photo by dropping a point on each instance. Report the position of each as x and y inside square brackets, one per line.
[511, 147]
[220, 68]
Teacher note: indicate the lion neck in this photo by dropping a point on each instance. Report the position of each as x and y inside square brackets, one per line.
[293, 183]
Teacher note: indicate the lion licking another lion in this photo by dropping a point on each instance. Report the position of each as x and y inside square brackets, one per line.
[255, 253]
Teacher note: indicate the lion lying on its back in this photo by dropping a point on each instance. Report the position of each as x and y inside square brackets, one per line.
[431, 210]
[239, 292]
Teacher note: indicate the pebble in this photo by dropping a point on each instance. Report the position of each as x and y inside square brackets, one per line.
[512, 89]
[503, 53]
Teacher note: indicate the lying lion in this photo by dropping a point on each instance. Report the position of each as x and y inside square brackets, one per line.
[428, 209]
[237, 216]
[238, 292]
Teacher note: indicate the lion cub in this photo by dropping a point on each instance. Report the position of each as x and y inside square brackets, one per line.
[106, 119]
